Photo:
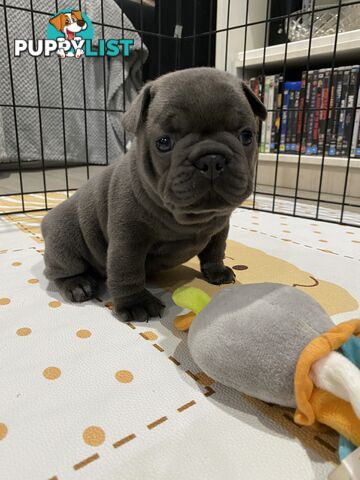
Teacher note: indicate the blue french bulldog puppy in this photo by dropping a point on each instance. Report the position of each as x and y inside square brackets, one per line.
[167, 200]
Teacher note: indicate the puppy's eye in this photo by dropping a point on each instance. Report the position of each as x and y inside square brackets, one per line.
[164, 144]
[246, 137]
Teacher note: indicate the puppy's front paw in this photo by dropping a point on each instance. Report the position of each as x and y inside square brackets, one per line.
[218, 274]
[138, 307]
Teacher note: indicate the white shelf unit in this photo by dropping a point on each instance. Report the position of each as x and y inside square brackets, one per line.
[308, 173]
[309, 160]
[322, 48]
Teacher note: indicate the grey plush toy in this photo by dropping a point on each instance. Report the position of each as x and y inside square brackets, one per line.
[251, 337]
[275, 343]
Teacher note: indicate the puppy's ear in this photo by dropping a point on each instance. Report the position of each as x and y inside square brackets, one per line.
[58, 22]
[136, 114]
[256, 105]
[77, 14]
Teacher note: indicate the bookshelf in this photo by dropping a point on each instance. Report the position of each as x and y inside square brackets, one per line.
[322, 49]
[284, 169]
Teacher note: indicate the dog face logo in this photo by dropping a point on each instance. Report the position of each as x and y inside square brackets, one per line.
[71, 26]
[69, 23]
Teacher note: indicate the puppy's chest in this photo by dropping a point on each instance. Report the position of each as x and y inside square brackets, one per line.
[176, 251]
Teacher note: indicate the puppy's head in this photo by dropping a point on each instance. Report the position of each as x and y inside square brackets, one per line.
[196, 130]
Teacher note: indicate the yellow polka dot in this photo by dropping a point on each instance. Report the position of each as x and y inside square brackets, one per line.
[83, 333]
[54, 304]
[109, 305]
[23, 332]
[323, 241]
[33, 281]
[350, 233]
[94, 436]
[5, 301]
[124, 376]
[149, 335]
[52, 373]
[316, 231]
[16, 264]
[286, 231]
[355, 241]
[3, 431]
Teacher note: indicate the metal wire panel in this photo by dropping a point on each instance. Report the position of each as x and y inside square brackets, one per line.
[189, 48]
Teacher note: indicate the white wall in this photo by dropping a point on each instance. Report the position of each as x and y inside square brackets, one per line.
[255, 34]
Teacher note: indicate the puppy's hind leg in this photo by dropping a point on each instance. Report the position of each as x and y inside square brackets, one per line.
[71, 274]
[78, 288]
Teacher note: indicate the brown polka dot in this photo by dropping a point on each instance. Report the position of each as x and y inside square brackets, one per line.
[240, 267]
[94, 436]
[109, 305]
[16, 264]
[33, 281]
[83, 333]
[23, 332]
[284, 224]
[3, 431]
[314, 224]
[355, 241]
[316, 231]
[149, 335]
[350, 233]
[5, 301]
[286, 231]
[124, 376]
[52, 373]
[54, 304]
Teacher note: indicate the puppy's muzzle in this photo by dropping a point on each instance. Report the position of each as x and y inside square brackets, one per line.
[211, 165]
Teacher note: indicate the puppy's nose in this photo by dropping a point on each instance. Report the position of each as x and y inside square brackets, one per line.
[211, 165]
[81, 23]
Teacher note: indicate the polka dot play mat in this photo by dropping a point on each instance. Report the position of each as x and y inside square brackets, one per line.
[84, 396]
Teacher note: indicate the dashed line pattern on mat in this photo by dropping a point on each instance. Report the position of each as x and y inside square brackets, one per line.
[314, 441]
[296, 243]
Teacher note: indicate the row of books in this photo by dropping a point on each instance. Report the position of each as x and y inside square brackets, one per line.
[321, 112]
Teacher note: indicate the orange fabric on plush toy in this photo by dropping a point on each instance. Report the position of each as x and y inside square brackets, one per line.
[314, 404]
